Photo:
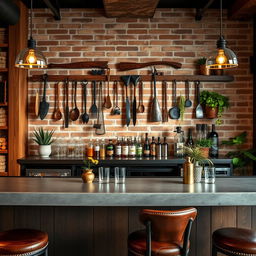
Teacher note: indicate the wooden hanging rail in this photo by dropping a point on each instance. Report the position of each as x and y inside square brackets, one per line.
[146, 78]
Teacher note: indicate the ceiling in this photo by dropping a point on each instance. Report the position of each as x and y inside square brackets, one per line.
[161, 4]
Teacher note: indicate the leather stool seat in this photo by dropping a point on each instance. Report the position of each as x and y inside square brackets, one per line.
[23, 242]
[235, 241]
[137, 245]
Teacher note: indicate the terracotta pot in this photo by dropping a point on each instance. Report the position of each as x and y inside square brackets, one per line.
[88, 176]
[211, 112]
[204, 70]
[205, 152]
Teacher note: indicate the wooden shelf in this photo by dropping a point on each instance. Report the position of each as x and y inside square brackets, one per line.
[3, 173]
[192, 78]
[3, 70]
[3, 127]
[4, 45]
[3, 104]
[3, 151]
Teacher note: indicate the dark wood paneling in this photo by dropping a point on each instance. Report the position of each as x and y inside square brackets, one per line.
[6, 217]
[244, 218]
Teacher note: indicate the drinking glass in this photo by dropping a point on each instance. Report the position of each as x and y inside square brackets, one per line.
[104, 174]
[120, 175]
[209, 174]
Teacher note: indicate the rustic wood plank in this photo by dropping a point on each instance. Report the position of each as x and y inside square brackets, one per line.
[244, 218]
[253, 217]
[6, 217]
[134, 222]
[130, 8]
[242, 9]
[73, 231]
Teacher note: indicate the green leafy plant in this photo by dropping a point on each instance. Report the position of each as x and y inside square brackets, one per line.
[240, 157]
[43, 137]
[196, 155]
[182, 107]
[204, 143]
[215, 100]
[89, 163]
[201, 61]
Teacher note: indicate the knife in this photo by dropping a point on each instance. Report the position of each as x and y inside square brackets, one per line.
[126, 80]
[66, 107]
[135, 79]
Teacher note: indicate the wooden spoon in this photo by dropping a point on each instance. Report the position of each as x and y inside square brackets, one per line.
[74, 113]
[57, 115]
[108, 103]
[141, 107]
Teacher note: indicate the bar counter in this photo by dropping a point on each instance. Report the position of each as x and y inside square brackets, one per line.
[239, 191]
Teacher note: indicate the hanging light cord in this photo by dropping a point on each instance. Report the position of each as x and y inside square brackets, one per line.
[31, 7]
[220, 18]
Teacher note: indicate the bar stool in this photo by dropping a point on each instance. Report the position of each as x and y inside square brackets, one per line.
[234, 242]
[167, 233]
[23, 242]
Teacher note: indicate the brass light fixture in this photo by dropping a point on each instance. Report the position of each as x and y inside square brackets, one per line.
[225, 57]
[30, 57]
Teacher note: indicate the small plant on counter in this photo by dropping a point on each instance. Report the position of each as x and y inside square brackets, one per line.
[88, 175]
[215, 104]
[89, 163]
[43, 137]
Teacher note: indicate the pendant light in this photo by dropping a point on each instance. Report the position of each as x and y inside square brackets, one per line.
[225, 57]
[30, 57]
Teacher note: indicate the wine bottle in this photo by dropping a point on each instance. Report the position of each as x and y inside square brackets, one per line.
[153, 147]
[146, 147]
[190, 141]
[165, 149]
[158, 148]
[213, 136]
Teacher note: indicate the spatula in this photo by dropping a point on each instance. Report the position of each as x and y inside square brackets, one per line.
[44, 106]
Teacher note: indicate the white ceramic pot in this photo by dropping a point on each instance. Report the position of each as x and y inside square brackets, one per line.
[198, 173]
[45, 150]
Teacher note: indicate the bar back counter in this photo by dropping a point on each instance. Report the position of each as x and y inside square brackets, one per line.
[95, 219]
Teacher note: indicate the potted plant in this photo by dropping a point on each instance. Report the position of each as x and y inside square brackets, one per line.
[44, 140]
[203, 70]
[88, 175]
[215, 104]
[198, 159]
[204, 146]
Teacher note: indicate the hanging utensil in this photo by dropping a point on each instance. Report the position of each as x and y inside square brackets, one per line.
[141, 107]
[126, 80]
[135, 79]
[57, 115]
[37, 103]
[199, 108]
[116, 109]
[44, 106]
[165, 111]
[100, 126]
[107, 103]
[85, 117]
[74, 113]
[66, 107]
[188, 102]
[155, 110]
[174, 112]
[93, 110]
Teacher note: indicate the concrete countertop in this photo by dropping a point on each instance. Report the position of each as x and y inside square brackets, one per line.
[135, 192]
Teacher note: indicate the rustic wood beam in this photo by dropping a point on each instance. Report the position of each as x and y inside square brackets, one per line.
[54, 7]
[200, 11]
[130, 8]
[243, 9]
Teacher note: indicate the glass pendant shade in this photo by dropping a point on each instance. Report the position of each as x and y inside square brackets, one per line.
[225, 58]
[30, 57]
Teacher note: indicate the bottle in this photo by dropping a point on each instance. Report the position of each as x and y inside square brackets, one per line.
[153, 147]
[213, 136]
[188, 171]
[165, 149]
[158, 148]
[97, 149]
[90, 149]
[179, 142]
[132, 148]
[125, 149]
[110, 149]
[198, 132]
[102, 149]
[139, 150]
[146, 147]
[118, 148]
[190, 141]
[204, 131]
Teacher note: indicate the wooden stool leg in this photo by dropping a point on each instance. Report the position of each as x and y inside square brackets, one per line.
[214, 251]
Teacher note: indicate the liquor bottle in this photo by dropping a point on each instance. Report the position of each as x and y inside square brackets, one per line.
[188, 171]
[110, 149]
[139, 150]
[146, 147]
[165, 149]
[125, 149]
[179, 142]
[97, 149]
[102, 149]
[118, 148]
[153, 147]
[213, 136]
[90, 149]
[190, 141]
[198, 131]
[158, 148]
[132, 148]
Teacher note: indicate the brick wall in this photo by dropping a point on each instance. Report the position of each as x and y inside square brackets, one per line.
[173, 34]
